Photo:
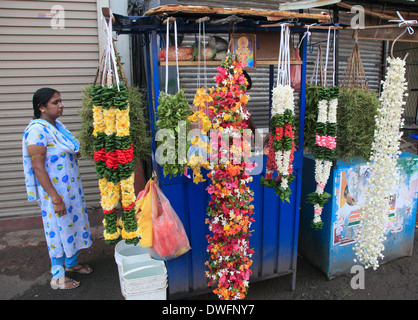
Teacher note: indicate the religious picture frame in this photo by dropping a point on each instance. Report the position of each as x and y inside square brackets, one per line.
[244, 48]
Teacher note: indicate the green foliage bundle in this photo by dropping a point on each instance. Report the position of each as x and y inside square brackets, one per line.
[172, 109]
[141, 139]
[355, 121]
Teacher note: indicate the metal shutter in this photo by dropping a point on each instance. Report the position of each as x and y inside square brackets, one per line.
[34, 55]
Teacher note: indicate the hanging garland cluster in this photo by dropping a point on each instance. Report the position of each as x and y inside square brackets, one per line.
[281, 144]
[324, 149]
[114, 159]
[383, 163]
[230, 196]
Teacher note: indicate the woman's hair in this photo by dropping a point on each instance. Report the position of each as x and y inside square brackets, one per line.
[40, 99]
[247, 76]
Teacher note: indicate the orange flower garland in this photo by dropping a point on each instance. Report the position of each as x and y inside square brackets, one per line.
[230, 196]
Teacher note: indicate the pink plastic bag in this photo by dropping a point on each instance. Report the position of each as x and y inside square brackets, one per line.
[169, 239]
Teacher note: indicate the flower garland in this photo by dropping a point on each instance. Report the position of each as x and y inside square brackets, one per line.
[199, 143]
[282, 137]
[230, 196]
[114, 158]
[384, 156]
[324, 149]
[281, 145]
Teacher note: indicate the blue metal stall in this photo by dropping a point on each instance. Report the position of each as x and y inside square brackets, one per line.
[276, 226]
[331, 248]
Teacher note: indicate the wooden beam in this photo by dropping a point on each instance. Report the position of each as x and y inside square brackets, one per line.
[382, 26]
[386, 34]
[369, 12]
[305, 4]
[277, 15]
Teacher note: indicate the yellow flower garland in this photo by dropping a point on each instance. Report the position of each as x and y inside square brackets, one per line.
[115, 121]
[196, 162]
[122, 122]
[98, 121]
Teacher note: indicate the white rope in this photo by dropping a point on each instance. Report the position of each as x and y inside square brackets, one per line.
[333, 61]
[198, 55]
[109, 55]
[204, 56]
[283, 63]
[307, 34]
[280, 56]
[112, 50]
[326, 57]
[167, 41]
[315, 70]
[405, 22]
[288, 54]
[177, 57]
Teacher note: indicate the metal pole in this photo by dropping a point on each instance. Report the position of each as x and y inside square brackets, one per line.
[300, 151]
[155, 78]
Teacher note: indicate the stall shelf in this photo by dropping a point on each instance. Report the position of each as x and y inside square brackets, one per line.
[275, 230]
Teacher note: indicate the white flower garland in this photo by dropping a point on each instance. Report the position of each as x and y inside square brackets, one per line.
[384, 156]
[325, 144]
[282, 136]
[283, 100]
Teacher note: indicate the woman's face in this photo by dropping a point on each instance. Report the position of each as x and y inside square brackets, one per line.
[54, 108]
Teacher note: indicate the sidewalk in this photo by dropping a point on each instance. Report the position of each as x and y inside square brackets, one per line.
[24, 275]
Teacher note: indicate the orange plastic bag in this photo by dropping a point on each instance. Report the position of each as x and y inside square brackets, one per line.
[169, 239]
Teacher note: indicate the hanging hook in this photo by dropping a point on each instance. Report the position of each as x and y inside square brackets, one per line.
[307, 34]
[393, 44]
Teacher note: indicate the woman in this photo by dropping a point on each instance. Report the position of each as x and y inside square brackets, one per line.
[52, 178]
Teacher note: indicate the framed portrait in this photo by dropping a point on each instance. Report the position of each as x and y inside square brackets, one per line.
[244, 48]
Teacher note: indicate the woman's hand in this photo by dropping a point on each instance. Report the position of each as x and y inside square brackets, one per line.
[60, 208]
[38, 154]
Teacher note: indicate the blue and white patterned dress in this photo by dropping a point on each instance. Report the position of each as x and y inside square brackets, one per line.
[69, 233]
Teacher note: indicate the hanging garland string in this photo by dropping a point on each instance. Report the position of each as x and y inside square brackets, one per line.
[383, 166]
[281, 144]
[229, 207]
[113, 150]
[200, 146]
[325, 142]
[114, 158]
[173, 110]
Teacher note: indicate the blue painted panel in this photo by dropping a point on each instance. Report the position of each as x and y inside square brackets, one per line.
[256, 239]
[272, 238]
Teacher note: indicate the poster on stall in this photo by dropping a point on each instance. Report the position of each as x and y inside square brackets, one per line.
[349, 187]
[244, 48]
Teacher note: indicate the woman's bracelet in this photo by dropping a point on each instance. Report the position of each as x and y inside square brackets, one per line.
[57, 203]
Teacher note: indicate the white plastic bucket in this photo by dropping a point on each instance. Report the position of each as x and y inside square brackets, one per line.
[144, 280]
[128, 251]
[158, 294]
